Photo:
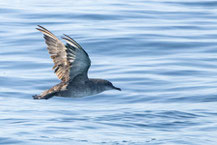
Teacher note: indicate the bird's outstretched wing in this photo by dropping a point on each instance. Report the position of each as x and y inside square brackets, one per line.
[70, 60]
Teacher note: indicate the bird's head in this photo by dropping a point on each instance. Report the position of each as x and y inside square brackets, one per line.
[109, 86]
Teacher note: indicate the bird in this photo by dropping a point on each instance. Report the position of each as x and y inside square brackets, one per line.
[71, 64]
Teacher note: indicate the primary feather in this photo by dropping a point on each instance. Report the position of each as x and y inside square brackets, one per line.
[70, 60]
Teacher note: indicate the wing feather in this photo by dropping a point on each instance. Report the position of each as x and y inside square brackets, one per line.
[78, 58]
[70, 60]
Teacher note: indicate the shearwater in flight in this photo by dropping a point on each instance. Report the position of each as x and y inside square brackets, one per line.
[71, 64]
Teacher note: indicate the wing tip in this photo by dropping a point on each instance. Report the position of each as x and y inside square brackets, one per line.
[40, 27]
[71, 41]
[46, 32]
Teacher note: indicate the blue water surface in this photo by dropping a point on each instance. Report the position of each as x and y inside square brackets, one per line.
[162, 53]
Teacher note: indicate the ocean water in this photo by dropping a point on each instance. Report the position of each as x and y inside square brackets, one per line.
[162, 53]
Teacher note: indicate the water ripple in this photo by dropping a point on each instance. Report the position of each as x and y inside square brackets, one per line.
[162, 54]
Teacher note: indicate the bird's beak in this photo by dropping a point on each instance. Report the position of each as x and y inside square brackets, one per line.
[119, 89]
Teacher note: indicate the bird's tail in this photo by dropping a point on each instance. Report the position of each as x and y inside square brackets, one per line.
[54, 91]
[44, 96]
